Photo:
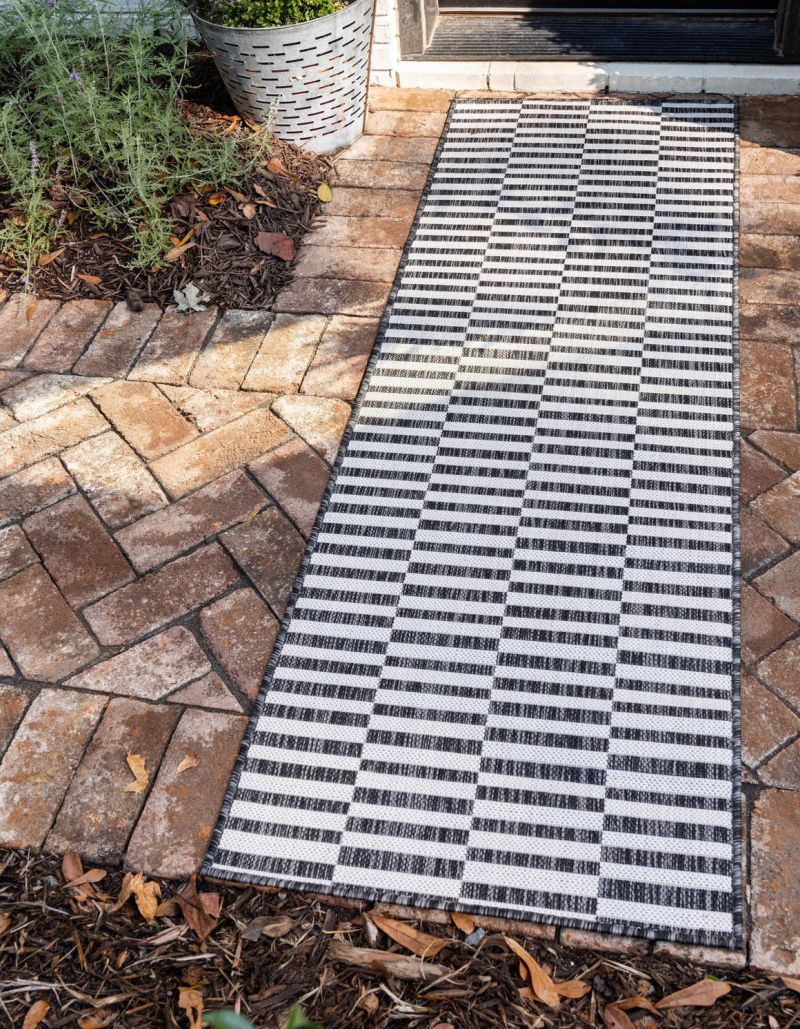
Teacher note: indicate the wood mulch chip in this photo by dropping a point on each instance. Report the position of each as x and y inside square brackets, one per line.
[95, 949]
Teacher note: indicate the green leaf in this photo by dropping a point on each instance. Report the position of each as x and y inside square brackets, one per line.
[298, 1020]
[226, 1018]
[324, 192]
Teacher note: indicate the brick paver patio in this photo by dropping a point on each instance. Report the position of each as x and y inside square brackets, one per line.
[158, 475]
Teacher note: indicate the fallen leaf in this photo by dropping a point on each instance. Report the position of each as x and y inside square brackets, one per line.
[36, 1014]
[46, 259]
[614, 1017]
[176, 252]
[94, 875]
[191, 1001]
[793, 984]
[249, 211]
[407, 936]
[71, 866]
[189, 298]
[29, 311]
[700, 995]
[236, 196]
[141, 777]
[398, 965]
[145, 894]
[5, 921]
[368, 1002]
[324, 192]
[94, 280]
[464, 922]
[97, 1021]
[278, 244]
[201, 910]
[541, 983]
[191, 760]
[276, 166]
[573, 989]
[273, 926]
[216, 198]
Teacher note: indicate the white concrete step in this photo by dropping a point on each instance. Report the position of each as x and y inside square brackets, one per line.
[602, 76]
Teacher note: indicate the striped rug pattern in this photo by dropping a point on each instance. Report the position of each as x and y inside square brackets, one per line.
[507, 682]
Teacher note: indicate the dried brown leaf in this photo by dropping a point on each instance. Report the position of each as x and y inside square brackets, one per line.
[190, 760]
[614, 1017]
[201, 910]
[249, 211]
[190, 1000]
[146, 895]
[178, 251]
[46, 259]
[98, 1021]
[278, 244]
[94, 875]
[71, 866]
[700, 995]
[141, 777]
[5, 922]
[273, 926]
[277, 167]
[216, 199]
[541, 983]
[94, 280]
[387, 962]
[422, 944]
[463, 921]
[36, 1014]
[793, 984]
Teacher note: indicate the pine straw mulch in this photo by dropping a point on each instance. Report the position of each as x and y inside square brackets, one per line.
[215, 235]
[84, 955]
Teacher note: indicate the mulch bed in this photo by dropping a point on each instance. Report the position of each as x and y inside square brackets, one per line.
[72, 955]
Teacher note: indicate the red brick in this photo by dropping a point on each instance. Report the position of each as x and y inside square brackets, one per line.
[220, 451]
[405, 123]
[760, 545]
[315, 262]
[22, 319]
[175, 827]
[97, 815]
[77, 551]
[767, 722]
[208, 409]
[173, 348]
[780, 506]
[767, 386]
[40, 762]
[13, 702]
[781, 672]
[285, 354]
[781, 584]
[269, 549]
[33, 488]
[783, 446]
[770, 323]
[29, 443]
[227, 355]
[367, 233]
[67, 336]
[357, 202]
[210, 691]
[296, 478]
[395, 98]
[775, 887]
[162, 596]
[760, 251]
[144, 417]
[43, 393]
[764, 627]
[334, 296]
[389, 174]
[757, 472]
[320, 421]
[768, 286]
[770, 218]
[15, 552]
[149, 670]
[120, 339]
[783, 770]
[115, 480]
[341, 358]
[413, 150]
[43, 635]
[174, 529]
[241, 633]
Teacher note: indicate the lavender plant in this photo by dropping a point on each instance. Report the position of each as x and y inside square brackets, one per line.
[90, 125]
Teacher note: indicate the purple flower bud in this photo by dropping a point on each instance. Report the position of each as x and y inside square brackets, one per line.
[74, 76]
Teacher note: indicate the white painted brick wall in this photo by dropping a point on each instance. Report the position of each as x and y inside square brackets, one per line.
[385, 44]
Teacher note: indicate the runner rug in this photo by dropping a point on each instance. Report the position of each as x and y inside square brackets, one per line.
[507, 683]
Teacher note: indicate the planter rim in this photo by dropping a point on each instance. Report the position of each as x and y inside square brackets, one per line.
[268, 28]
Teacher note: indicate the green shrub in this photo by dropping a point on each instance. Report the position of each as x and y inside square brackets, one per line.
[264, 14]
[90, 125]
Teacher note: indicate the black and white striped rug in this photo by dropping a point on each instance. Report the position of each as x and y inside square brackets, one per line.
[508, 680]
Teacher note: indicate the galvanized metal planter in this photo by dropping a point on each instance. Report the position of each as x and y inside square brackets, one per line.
[308, 80]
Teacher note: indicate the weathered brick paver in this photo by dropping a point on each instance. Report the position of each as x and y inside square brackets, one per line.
[201, 468]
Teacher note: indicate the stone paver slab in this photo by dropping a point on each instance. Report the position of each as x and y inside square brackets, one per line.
[220, 451]
[781, 672]
[241, 632]
[162, 596]
[780, 507]
[412, 150]
[372, 202]
[320, 421]
[286, 353]
[767, 386]
[227, 355]
[388, 174]
[341, 358]
[768, 286]
[405, 123]
[13, 702]
[15, 552]
[783, 770]
[295, 477]
[42, 437]
[334, 296]
[42, 633]
[141, 413]
[775, 885]
[269, 549]
[116, 481]
[40, 762]
[783, 446]
[175, 828]
[781, 584]
[770, 218]
[757, 472]
[119, 340]
[760, 545]
[367, 233]
[397, 98]
[759, 160]
[764, 627]
[149, 670]
[67, 336]
[770, 323]
[210, 691]
[42, 393]
[209, 409]
[767, 723]
[77, 551]
[760, 251]
[22, 318]
[347, 263]
[172, 349]
[33, 488]
[175, 529]
[98, 815]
